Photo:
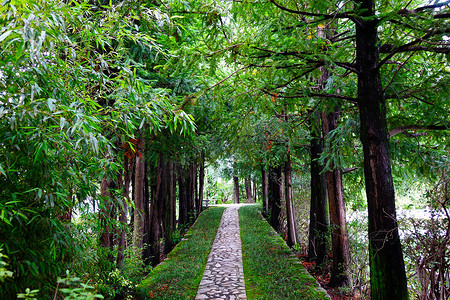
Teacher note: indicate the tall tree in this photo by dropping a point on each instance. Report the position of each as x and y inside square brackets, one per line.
[289, 199]
[318, 220]
[275, 192]
[235, 190]
[338, 221]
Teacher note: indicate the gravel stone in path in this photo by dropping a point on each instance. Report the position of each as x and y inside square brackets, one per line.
[224, 276]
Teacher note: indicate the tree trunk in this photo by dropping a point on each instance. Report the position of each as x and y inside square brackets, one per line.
[190, 190]
[169, 211]
[148, 196]
[336, 202]
[162, 203]
[290, 213]
[275, 187]
[387, 269]
[236, 190]
[182, 198]
[264, 191]
[318, 224]
[139, 205]
[197, 206]
[201, 179]
[123, 213]
[248, 189]
[254, 191]
[174, 195]
[105, 213]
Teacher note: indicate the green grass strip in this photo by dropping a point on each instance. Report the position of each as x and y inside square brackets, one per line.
[179, 276]
[271, 271]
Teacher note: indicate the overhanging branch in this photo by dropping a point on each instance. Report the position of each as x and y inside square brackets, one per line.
[402, 129]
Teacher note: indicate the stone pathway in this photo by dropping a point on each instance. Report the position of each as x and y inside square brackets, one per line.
[224, 276]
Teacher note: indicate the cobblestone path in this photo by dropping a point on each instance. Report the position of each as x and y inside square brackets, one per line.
[224, 276]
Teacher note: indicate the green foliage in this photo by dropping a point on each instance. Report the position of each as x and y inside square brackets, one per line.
[28, 295]
[71, 91]
[4, 273]
[72, 288]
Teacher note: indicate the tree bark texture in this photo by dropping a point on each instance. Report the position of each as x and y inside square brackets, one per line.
[387, 269]
[139, 206]
[235, 190]
[248, 189]
[190, 190]
[288, 195]
[106, 234]
[318, 224]
[264, 191]
[149, 190]
[197, 206]
[169, 209]
[275, 187]
[127, 174]
[201, 182]
[182, 198]
[339, 236]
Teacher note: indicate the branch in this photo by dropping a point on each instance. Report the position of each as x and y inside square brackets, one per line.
[336, 96]
[348, 170]
[309, 14]
[386, 48]
[225, 49]
[226, 78]
[411, 93]
[403, 48]
[348, 66]
[433, 6]
[405, 12]
[402, 129]
[323, 95]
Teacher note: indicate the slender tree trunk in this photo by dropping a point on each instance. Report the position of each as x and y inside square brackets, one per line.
[387, 268]
[162, 203]
[236, 190]
[182, 198]
[155, 230]
[288, 195]
[190, 190]
[123, 213]
[139, 205]
[149, 181]
[105, 213]
[275, 188]
[254, 192]
[169, 224]
[197, 207]
[336, 201]
[174, 195]
[264, 191]
[318, 224]
[201, 178]
[248, 189]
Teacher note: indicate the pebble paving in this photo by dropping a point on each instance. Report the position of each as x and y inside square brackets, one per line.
[224, 275]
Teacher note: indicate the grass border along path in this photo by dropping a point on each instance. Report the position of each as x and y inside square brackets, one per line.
[271, 271]
[179, 275]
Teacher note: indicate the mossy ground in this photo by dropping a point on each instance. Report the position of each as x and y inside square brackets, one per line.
[180, 274]
[271, 271]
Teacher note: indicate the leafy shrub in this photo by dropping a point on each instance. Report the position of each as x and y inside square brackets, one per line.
[427, 247]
